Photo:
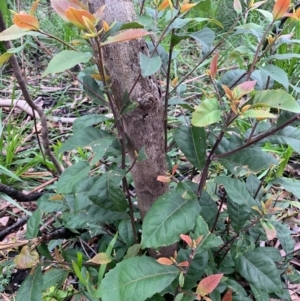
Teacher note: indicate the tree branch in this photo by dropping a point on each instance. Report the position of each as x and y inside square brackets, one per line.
[20, 196]
[258, 138]
[20, 222]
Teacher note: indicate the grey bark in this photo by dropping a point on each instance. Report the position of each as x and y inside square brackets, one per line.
[144, 126]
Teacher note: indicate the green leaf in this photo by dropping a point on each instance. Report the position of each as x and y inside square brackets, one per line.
[276, 99]
[205, 37]
[259, 295]
[78, 221]
[127, 105]
[289, 135]
[206, 113]
[33, 224]
[285, 295]
[236, 288]
[293, 275]
[53, 277]
[132, 251]
[44, 251]
[94, 89]
[270, 252]
[72, 255]
[253, 184]
[14, 32]
[136, 279]
[5, 171]
[257, 114]
[87, 121]
[238, 213]
[269, 229]
[80, 192]
[17, 49]
[125, 232]
[285, 239]
[290, 185]
[185, 190]
[260, 271]
[47, 205]
[209, 240]
[284, 56]
[180, 22]
[251, 158]
[208, 208]
[89, 137]
[4, 58]
[107, 193]
[31, 288]
[131, 25]
[163, 54]
[78, 273]
[149, 65]
[66, 59]
[277, 74]
[94, 215]
[72, 176]
[170, 216]
[101, 258]
[230, 77]
[237, 191]
[14, 202]
[97, 214]
[262, 80]
[176, 38]
[192, 142]
[156, 297]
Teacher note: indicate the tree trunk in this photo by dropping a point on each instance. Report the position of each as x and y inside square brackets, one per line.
[144, 127]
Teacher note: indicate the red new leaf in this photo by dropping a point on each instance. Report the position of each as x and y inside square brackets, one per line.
[183, 264]
[76, 17]
[127, 35]
[228, 296]
[165, 261]
[33, 7]
[269, 229]
[26, 21]
[208, 284]
[280, 8]
[214, 66]
[187, 239]
[163, 179]
[243, 89]
[60, 6]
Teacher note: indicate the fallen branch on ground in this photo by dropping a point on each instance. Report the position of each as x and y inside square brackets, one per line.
[23, 105]
[18, 195]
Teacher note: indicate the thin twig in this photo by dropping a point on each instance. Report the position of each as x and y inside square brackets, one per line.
[142, 7]
[19, 196]
[218, 213]
[258, 138]
[13, 227]
[209, 159]
[167, 95]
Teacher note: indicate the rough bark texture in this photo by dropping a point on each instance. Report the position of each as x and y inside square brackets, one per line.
[145, 125]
